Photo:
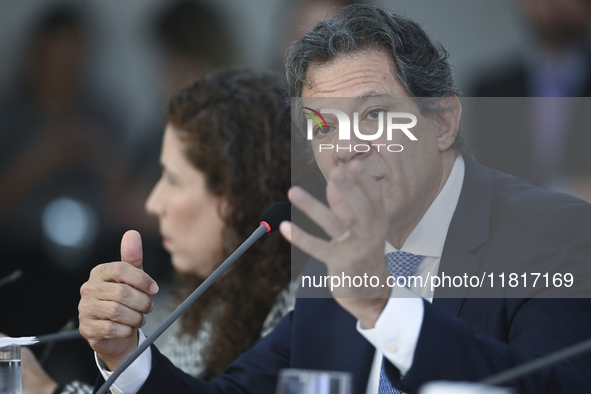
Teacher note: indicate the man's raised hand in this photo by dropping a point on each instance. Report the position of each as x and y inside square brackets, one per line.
[113, 303]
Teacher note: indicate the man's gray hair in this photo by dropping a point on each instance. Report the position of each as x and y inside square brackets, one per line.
[419, 65]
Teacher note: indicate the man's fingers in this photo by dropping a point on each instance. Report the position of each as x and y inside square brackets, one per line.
[368, 185]
[106, 329]
[117, 292]
[310, 244]
[120, 272]
[317, 212]
[351, 196]
[284, 229]
[113, 303]
[115, 312]
[131, 248]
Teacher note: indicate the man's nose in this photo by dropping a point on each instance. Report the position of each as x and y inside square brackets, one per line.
[354, 148]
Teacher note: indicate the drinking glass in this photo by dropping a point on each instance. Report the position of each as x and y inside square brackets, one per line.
[302, 381]
[11, 380]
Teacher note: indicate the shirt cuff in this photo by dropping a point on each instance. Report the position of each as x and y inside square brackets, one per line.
[397, 330]
[132, 379]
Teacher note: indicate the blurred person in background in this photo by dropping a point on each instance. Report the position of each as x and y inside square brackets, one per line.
[298, 17]
[191, 39]
[543, 140]
[225, 158]
[194, 41]
[61, 176]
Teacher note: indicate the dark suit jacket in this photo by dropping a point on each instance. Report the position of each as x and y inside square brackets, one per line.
[498, 218]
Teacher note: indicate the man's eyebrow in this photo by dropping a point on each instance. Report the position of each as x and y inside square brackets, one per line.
[372, 94]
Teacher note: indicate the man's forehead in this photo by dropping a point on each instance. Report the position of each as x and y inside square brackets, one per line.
[369, 73]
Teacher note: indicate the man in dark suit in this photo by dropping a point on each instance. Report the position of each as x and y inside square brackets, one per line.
[428, 209]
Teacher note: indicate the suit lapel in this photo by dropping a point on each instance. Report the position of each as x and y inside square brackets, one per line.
[468, 230]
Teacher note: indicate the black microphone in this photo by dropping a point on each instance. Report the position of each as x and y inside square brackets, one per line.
[270, 220]
[275, 214]
[16, 275]
[540, 363]
[58, 337]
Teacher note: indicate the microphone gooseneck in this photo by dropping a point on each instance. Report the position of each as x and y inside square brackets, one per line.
[270, 221]
[538, 364]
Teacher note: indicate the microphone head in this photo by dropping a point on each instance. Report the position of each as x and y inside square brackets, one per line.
[275, 214]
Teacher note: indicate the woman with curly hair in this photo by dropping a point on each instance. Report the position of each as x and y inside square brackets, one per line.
[229, 134]
[225, 158]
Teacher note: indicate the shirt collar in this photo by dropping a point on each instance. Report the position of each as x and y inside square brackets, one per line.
[428, 236]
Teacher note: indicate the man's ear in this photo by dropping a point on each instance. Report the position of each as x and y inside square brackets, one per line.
[448, 122]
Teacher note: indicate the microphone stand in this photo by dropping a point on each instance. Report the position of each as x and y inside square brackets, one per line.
[535, 365]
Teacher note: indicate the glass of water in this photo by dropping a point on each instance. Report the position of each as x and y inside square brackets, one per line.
[11, 380]
[303, 381]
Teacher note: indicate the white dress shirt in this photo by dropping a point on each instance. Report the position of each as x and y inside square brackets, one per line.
[391, 339]
[396, 338]
[132, 379]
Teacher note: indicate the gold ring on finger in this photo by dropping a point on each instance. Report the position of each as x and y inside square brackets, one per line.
[341, 238]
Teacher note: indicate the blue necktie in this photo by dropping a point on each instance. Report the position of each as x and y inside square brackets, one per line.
[399, 264]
